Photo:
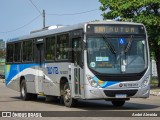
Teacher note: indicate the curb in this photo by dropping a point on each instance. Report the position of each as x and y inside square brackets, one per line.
[155, 93]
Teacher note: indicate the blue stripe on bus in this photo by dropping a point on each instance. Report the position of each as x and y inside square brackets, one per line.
[104, 84]
[13, 70]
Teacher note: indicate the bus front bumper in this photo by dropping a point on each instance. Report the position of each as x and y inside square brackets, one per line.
[101, 93]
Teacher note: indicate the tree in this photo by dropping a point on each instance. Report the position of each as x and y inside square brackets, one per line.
[141, 11]
[2, 54]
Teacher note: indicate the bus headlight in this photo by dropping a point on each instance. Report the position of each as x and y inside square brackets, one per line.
[145, 82]
[92, 82]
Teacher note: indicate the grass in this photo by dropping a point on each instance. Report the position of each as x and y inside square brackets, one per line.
[155, 90]
[154, 82]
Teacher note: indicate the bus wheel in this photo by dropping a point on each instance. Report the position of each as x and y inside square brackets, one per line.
[118, 103]
[23, 90]
[68, 100]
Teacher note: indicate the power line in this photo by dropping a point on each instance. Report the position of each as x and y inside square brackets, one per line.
[42, 14]
[70, 14]
[21, 26]
[66, 14]
[35, 6]
[26, 23]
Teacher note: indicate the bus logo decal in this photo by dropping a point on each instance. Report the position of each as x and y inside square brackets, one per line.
[52, 70]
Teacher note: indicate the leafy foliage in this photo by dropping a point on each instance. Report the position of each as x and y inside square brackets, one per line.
[141, 11]
[2, 53]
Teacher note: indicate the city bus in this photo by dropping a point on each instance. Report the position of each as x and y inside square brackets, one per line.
[105, 60]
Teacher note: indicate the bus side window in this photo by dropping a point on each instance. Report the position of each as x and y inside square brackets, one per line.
[10, 52]
[62, 51]
[50, 48]
[27, 51]
[17, 52]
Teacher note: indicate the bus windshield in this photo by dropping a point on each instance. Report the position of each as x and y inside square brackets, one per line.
[117, 55]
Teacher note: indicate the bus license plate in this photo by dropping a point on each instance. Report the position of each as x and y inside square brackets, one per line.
[121, 96]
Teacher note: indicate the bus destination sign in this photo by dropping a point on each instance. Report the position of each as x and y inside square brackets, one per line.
[116, 29]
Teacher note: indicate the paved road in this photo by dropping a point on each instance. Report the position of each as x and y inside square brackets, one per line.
[10, 101]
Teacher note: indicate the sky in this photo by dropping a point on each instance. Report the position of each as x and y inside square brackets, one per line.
[20, 17]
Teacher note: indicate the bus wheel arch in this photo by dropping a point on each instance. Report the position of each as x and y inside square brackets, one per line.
[23, 89]
[65, 90]
[63, 80]
[21, 79]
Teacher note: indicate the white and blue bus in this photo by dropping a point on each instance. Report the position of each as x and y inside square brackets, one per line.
[106, 60]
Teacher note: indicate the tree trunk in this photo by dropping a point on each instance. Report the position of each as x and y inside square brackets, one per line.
[157, 56]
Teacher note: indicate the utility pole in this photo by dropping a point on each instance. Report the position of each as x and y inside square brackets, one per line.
[44, 19]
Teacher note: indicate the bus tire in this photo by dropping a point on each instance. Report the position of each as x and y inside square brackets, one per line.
[23, 90]
[33, 96]
[118, 103]
[68, 100]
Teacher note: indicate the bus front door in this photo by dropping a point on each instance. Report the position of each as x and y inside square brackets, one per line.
[77, 73]
[39, 78]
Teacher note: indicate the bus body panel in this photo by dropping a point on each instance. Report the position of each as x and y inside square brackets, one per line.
[45, 79]
[53, 74]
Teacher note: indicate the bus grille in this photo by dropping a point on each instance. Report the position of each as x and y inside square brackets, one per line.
[112, 93]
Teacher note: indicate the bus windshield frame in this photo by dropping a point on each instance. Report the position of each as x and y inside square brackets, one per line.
[126, 44]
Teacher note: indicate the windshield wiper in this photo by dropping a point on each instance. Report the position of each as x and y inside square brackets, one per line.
[109, 45]
[129, 44]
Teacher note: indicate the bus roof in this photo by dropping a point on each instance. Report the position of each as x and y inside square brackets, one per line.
[66, 29]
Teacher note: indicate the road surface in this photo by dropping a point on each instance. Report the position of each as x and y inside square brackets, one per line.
[10, 101]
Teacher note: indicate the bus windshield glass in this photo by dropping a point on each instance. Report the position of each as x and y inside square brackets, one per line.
[117, 55]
